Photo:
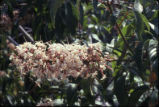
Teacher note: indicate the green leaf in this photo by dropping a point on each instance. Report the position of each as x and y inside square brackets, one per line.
[127, 30]
[85, 84]
[148, 32]
[113, 19]
[138, 57]
[141, 20]
[116, 52]
[75, 11]
[155, 15]
[139, 24]
[71, 93]
[146, 22]
[95, 3]
[94, 19]
[134, 97]
[71, 17]
[116, 68]
[54, 5]
[120, 44]
[120, 91]
[101, 5]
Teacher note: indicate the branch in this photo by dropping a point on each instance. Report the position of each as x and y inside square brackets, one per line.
[12, 40]
[27, 35]
[122, 36]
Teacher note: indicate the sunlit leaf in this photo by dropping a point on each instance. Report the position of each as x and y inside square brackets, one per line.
[137, 6]
[154, 28]
[134, 97]
[152, 49]
[58, 102]
[96, 37]
[101, 5]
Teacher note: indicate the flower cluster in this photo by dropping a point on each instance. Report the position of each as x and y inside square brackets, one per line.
[59, 61]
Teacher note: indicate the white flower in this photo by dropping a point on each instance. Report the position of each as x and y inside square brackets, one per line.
[59, 61]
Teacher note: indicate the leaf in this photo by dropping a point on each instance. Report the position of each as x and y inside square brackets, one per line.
[116, 68]
[96, 87]
[54, 5]
[154, 28]
[85, 84]
[138, 57]
[112, 19]
[58, 102]
[119, 46]
[152, 49]
[120, 91]
[146, 22]
[154, 98]
[71, 17]
[75, 11]
[101, 5]
[139, 24]
[127, 30]
[155, 15]
[94, 19]
[134, 97]
[138, 7]
[71, 93]
[81, 13]
[95, 3]
[95, 36]
[154, 66]
[153, 57]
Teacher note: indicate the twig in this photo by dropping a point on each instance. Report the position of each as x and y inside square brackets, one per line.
[12, 40]
[125, 16]
[27, 35]
[125, 41]
[29, 30]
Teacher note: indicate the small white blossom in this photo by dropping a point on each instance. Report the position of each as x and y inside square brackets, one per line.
[59, 61]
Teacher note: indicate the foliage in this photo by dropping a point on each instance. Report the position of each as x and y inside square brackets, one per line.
[127, 30]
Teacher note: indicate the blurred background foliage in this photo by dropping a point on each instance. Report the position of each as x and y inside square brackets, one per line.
[127, 30]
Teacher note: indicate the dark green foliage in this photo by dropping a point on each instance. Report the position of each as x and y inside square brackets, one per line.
[120, 90]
